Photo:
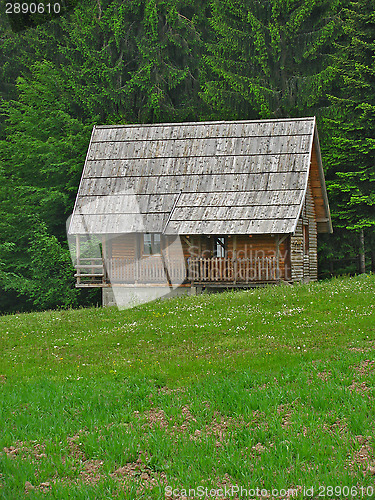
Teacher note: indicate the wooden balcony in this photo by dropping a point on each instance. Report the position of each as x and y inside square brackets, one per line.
[149, 270]
[239, 271]
[117, 270]
[155, 270]
[90, 272]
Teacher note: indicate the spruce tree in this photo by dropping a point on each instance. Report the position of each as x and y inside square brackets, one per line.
[270, 58]
[351, 126]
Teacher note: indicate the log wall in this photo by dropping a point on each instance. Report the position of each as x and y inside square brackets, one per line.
[311, 270]
[296, 252]
[303, 244]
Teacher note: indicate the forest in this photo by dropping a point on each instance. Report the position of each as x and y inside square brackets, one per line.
[151, 61]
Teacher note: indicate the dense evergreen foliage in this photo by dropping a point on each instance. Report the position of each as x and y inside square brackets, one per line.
[271, 59]
[350, 147]
[144, 61]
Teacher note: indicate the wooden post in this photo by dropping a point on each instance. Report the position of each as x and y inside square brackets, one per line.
[278, 243]
[164, 263]
[104, 257]
[78, 258]
[235, 258]
[138, 243]
[277, 257]
[259, 270]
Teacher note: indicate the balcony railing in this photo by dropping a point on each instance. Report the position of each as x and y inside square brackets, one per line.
[148, 270]
[225, 270]
[155, 270]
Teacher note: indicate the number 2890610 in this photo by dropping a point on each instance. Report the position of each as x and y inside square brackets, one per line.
[33, 8]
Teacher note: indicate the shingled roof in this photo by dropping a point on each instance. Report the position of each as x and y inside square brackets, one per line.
[244, 177]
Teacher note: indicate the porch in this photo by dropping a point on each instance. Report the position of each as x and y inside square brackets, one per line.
[221, 270]
[156, 270]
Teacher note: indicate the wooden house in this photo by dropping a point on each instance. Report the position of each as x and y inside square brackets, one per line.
[245, 201]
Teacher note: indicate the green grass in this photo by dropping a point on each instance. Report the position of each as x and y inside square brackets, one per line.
[269, 388]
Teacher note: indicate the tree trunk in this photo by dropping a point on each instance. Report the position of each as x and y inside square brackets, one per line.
[373, 261]
[362, 257]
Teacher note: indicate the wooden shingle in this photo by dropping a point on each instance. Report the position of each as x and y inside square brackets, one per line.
[245, 177]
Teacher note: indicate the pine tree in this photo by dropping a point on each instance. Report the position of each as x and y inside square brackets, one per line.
[351, 124]
[134, 61]
[108, 61]
[41, 160]
[270, 58]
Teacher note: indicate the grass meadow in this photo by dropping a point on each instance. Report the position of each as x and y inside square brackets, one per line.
[269, 390]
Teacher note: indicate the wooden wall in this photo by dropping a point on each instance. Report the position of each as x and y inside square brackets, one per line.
[303, 244]
[315, 183]
[259, 246]
[311, 268]
[123, 245]
[296, 252]
[131, 245]
[243, 246]
[172, 250]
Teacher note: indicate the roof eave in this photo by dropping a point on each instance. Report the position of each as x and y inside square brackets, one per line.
[81, 181]
[323, 226]
[328, 222]
[303, 197]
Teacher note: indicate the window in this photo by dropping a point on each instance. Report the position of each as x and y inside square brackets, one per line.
[219, 246]
[151, 244]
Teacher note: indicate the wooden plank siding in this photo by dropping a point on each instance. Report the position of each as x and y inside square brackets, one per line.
[304, 256]
[252, 253]
[296, 253]
[123, 245]
[316, 187]
[246, 247]
[311, 270]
